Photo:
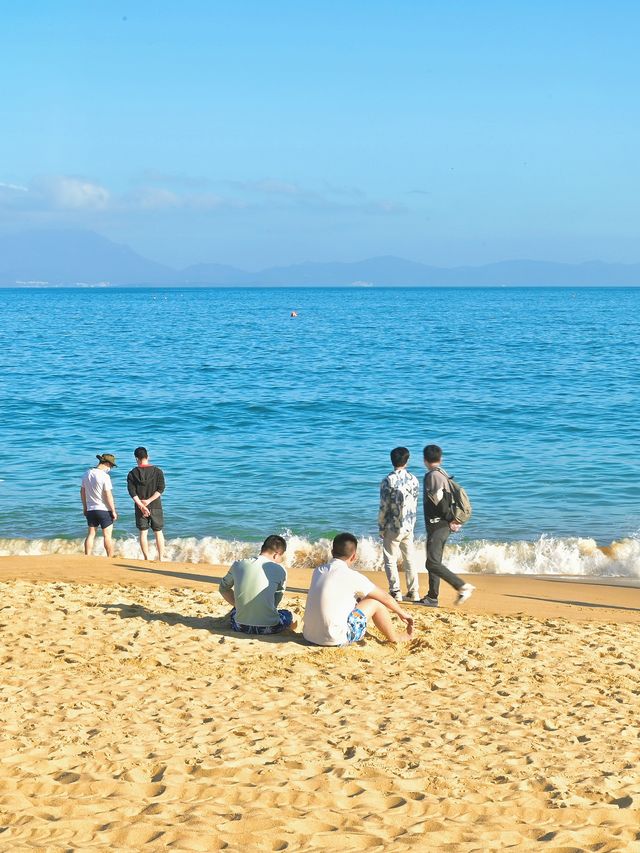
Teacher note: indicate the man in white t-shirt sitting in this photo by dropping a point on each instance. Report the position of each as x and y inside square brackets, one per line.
[98, 505]
[341, 602]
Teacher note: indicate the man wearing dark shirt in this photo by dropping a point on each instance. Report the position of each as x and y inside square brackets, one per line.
[439, 519]
[145, 483]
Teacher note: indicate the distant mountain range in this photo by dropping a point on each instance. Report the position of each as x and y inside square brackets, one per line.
[54, 258]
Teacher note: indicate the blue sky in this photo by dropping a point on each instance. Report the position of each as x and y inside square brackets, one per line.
[260, 133]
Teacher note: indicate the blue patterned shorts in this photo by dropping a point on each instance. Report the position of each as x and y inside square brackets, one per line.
[286, 618]
[356, 626]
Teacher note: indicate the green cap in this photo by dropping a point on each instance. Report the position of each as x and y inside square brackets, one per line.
[107, 458]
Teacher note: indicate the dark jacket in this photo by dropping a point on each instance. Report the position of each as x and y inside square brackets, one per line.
[145, 481]
[444, 508]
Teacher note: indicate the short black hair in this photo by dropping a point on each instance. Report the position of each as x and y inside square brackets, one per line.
[274, 543]
[141, 453]
[344, 546]
[432, 453]
[399, 456]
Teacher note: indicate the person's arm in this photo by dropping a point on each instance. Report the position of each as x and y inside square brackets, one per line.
[437, 500]
[226, 590]
[108, 499]
[384, 505]
[154, 497]
[280, 589]
[391, 604]
[131, 488]
[160, 486]
[83, 498]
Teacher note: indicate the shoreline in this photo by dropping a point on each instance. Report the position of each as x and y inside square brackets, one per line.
[608, 600]
[546, 556]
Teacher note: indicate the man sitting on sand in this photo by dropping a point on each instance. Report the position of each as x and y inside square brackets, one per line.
[254, 588]
[341, 602]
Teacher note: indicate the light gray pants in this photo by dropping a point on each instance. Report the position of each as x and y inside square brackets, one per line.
[394, 544]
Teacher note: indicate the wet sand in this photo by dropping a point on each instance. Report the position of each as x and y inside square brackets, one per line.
[132, 718]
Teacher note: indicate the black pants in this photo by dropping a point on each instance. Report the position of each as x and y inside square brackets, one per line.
[437, 535]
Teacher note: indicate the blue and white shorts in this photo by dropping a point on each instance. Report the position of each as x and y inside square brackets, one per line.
[356, 626]
[286, 619]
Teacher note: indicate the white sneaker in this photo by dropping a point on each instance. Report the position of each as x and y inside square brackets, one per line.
[464, 593]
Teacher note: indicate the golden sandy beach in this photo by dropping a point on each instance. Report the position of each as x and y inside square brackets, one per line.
[131, 718]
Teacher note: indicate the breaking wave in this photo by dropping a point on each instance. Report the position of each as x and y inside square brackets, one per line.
[545, 556]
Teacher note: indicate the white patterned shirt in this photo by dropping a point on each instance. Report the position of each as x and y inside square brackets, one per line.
[398, 502]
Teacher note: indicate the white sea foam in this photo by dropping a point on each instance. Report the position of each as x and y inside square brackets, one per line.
[545, 556]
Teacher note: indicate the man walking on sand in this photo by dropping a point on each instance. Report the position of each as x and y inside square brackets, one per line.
[145, 484]
[254, 588]
[342, 602]
[396, 521]
[439, 521]
[96, 493]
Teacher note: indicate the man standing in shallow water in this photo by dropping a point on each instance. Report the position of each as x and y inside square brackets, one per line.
[145, 484]
[96, 493]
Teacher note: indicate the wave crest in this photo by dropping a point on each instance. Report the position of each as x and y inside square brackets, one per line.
[545, 556]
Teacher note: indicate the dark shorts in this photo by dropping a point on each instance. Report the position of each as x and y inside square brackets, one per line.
[286, 619]
[155, 521]
[99, 518]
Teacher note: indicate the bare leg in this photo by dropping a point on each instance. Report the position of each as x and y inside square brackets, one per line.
[144, 543]
[88, 542]
[107, 533]
[381, 617]
[160, 544]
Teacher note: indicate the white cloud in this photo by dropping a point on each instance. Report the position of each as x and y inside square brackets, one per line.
[69, 193]
[13, 187]
[155, 198]
[64, 196]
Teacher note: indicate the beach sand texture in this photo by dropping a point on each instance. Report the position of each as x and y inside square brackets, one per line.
[131, 718]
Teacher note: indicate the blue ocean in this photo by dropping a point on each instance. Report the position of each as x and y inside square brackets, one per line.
[264, 422]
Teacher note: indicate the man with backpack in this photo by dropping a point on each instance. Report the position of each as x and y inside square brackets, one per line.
[396, 521]
[442, 516]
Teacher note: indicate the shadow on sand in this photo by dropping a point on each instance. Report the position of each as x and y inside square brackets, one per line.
[187, 576]
[218, 625]
[575, 603]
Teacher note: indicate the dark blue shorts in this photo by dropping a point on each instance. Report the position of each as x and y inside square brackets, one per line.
[99, 518]
[286, 620]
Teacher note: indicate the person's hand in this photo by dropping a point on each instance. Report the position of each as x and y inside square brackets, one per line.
[114, 515]
[454, 526]
[146, 512]
[406, 618]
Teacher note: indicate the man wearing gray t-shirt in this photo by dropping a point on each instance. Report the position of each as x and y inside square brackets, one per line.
[439, 519]
[254, 588]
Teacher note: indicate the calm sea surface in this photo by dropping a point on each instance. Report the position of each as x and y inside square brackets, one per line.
[265, 422]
